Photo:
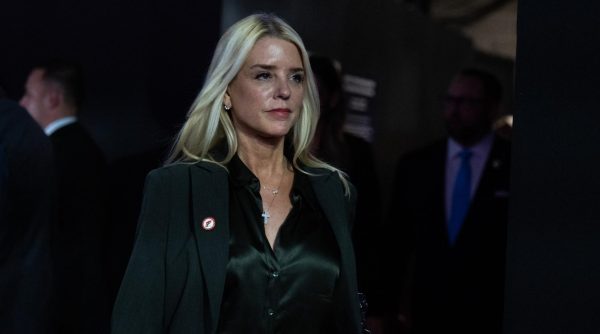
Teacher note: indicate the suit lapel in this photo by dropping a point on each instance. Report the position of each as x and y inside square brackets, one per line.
[210, 199]
[437, 167]
[496, 164]
[331, 198]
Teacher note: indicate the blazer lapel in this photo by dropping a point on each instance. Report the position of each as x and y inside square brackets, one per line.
[331, 197]
[210, 199]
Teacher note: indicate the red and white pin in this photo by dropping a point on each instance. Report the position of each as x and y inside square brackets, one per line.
[209, 223]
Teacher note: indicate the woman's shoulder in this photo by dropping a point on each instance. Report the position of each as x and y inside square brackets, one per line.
[178, 178]
[183, 169]
[324, 173]
[321, 175]
[317, 171]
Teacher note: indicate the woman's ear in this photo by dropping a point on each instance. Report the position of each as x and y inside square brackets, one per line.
[227, 100]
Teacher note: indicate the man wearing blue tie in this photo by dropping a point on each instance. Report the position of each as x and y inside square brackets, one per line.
[447, 229]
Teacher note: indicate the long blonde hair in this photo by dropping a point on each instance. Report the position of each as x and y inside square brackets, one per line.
[207, 122]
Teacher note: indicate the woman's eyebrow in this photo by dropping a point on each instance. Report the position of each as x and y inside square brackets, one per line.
[271, 67]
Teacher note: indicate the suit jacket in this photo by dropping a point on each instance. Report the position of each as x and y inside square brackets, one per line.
[176, 275]
[455, 288]
[354, 156]
[82, 303]
[126, 189]
[27, 212]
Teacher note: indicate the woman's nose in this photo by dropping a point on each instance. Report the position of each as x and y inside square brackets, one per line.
[283, 89]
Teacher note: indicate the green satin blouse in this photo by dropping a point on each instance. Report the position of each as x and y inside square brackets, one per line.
[288, 289]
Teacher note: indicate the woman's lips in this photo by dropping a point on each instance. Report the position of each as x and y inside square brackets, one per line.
[280, 113]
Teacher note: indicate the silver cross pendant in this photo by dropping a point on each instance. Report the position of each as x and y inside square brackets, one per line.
[266, 217]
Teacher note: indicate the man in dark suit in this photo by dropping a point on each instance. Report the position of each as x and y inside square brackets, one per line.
[448, 227]
[27, 207]
[53, 96]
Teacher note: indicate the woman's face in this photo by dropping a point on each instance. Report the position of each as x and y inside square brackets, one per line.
[266, 95]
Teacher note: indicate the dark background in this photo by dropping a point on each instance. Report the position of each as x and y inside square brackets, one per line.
[554, 233]
[145, 62]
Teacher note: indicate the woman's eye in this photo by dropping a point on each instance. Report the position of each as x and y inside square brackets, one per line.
[298, 78]
[263, 76]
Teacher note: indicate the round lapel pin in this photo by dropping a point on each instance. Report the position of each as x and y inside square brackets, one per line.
[209, 223]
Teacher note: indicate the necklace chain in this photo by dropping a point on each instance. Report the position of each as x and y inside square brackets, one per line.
[266, 214]
[274, 191]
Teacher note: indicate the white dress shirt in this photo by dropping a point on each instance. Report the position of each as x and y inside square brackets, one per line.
[480, 151]
[59, 123]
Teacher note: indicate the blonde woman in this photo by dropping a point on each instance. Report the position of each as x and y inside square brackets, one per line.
[244, 231]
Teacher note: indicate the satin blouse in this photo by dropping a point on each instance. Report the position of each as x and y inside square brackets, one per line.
[285, 289]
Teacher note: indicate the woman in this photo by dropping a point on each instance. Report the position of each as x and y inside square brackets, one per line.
[245, 232]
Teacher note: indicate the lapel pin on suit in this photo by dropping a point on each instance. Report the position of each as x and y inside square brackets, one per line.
[209, 223]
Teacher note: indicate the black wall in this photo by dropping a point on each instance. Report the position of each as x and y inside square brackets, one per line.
[553, 279]
[144, 61]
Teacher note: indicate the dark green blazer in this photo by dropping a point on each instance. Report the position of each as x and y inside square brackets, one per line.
[176, 275]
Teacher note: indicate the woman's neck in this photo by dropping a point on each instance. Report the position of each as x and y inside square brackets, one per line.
[264, 158]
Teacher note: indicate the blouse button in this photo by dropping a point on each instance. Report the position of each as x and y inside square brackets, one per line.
[270, 312]
[275, 274]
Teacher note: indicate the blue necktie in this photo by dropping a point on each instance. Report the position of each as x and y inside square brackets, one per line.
[461, 196]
